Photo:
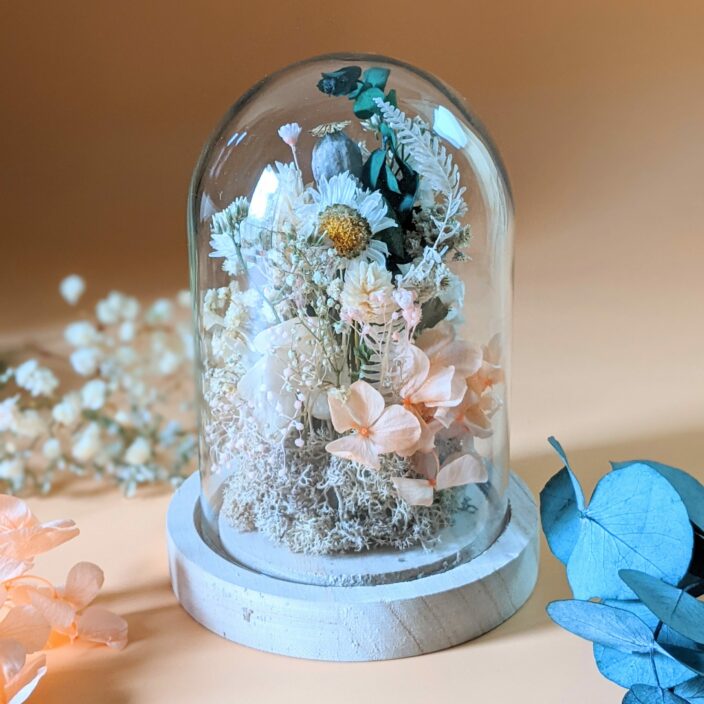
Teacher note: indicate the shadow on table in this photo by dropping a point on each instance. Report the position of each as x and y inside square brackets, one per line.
[684, 449]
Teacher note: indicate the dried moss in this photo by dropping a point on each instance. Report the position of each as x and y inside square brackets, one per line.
[315, 503]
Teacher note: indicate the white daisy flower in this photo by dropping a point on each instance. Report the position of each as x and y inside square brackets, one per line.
[349, 216]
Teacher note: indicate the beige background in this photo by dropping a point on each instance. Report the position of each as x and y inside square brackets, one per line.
[598, 110]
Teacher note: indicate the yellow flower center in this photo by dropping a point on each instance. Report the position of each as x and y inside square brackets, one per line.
[348, 231]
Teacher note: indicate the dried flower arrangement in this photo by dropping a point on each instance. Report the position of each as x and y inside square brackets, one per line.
[129, 419]
[338, 396]
[35, 614]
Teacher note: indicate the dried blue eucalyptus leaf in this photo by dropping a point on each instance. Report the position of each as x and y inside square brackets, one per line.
[561, 503]
[376, 77]
[645, 694]
[603, 624]
[635, 520]
[693, 658]
[673, 606]
[692, 691]
[364, 106]
[654, 668]
[690, 490]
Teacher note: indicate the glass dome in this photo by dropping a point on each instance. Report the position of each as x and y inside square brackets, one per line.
[351, 259]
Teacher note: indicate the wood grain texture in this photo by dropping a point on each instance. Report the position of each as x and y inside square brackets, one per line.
[353, 623]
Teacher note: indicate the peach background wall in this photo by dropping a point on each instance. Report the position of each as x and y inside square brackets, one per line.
[597, 108]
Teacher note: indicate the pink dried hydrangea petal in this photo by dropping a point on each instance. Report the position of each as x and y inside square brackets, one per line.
[99, 625]
[83, 583]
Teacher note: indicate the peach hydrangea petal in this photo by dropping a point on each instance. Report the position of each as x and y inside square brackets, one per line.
[49, 535]
[26, 680]
[466, 469]
[12, 658]
[436, 390]
[415, 492]
[83, 583]
[415, 371]
[27, 626]
[426, 464]
[396, 430]
[11, 568]
[99, 625]
[60, 614]
[365, 403]
[14, 514]
[443, 349]
[356, 448]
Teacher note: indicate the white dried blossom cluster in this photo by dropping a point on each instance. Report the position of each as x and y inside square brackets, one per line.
[117, 405]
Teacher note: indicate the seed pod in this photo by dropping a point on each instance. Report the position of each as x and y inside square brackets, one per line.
[335, 153]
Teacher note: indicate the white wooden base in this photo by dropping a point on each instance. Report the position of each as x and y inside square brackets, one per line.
[354, 622]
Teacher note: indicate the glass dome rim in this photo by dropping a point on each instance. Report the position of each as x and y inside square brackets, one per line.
[456, 98]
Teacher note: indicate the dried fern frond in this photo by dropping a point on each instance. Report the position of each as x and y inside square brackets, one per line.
[428, 156]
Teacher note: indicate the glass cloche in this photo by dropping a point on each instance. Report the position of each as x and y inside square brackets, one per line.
[351, 255]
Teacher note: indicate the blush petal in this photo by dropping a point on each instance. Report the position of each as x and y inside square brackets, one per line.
[396, 430]
[415, 492]
[83, 584]
[356, 448]
[99, 625]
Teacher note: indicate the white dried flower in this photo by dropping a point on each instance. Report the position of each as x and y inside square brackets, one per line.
[159, 312]
[38, 380]
[8, 413]
[29, 424]
[169, 362]
[93, 394]
[290, 133]
[12, 470]
[367, 294]
[81, 334]
[68, 410]
[87, 443]
[85, 360]
[139, 451]
[183, 298]
[51, 449]
[72, 288]
[116, 307]
[127, 331]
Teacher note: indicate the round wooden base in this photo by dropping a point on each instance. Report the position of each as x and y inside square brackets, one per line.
[378, 622]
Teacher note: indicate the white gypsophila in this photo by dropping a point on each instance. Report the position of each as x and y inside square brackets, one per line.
[12, 470]
[81, 334]
[38, 380]
[127, 331]
[139, 451]
[159, 312]
[8, 413]
[168, 363]
[116, 307]
[93, 394]
[68, 410]
[72, 288]
[367, 293]
[85, 360]
[51, 449]
[87, 443]
[183, 298]
[344, 189]
[29, 424]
